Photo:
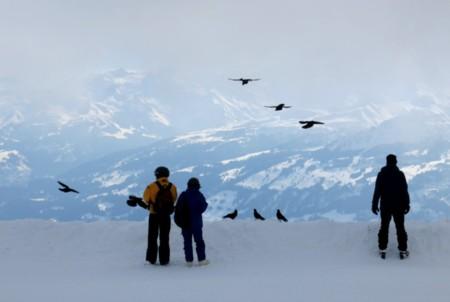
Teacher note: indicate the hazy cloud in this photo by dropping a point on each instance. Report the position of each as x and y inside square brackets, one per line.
[308, 52]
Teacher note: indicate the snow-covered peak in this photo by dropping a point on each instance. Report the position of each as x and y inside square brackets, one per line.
[14, 168]
[14, 118]
[123, 77]
[238, 111]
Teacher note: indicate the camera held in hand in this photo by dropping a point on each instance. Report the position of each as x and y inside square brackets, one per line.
[134, 201]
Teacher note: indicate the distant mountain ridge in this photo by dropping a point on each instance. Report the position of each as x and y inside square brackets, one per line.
[120, 110]
[254, 158]
[308, 174]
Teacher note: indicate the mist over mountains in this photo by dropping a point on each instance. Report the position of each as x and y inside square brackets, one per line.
[246, 157]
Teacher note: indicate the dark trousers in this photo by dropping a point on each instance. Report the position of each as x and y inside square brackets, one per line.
[158, 224]
[383, 234]
[199, 243]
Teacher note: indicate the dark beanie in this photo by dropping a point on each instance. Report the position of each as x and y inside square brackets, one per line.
[193, 183]
[391, 160]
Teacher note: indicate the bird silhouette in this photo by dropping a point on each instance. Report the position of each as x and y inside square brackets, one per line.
[280, 216]
[66, 189]
[231, 215]
[257, 215]
[244, 81]
[278, 107]
[309, 124]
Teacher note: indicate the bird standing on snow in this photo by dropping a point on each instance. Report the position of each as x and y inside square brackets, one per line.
[66, 189]
[278, 107]
[280, 216]
[244, 81]
[257, 215]
[309, 124]
[231, 215]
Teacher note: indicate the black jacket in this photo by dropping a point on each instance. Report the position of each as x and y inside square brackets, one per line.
[392, 188]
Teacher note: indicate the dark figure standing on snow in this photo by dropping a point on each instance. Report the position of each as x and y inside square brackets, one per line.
[160, 195]
[392, 188]
[188, 215]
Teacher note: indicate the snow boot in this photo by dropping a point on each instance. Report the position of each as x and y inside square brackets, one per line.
[203, 262]
[189, 263]
[403, 254]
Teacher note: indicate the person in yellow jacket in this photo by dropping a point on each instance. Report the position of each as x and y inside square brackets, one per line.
[160, 196]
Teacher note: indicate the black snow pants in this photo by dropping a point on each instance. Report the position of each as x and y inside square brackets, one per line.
[383, 234]
[158, 224]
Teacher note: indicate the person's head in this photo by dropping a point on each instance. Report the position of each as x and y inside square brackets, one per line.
[161, 172]
[193, 183]
[391, 160]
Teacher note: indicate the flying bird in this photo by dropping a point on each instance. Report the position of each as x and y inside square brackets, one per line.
[257, 215]
[309, 124]
[66, 189]
[231, 215]
[278, 107]
[244, 81]
[280, 216]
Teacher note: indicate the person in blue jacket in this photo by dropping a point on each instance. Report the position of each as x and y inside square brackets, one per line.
[188, 215]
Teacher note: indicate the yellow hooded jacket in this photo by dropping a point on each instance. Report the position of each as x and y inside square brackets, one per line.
[152, 190]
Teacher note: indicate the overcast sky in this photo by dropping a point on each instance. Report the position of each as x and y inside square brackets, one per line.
[318, 52]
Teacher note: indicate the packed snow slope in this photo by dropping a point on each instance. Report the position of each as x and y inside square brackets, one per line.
[250, 261]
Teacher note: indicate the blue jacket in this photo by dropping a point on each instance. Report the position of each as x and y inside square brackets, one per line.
[195, 203]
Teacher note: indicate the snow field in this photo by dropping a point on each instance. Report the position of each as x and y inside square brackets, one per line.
[250, 261]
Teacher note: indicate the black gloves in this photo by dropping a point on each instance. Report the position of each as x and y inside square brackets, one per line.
[375, 209]
[134, 201]
[406, 211]
[142, 204]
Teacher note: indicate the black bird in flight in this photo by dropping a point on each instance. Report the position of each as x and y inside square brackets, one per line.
[309, 124]
[66, 189]
[257, 215]
[244, 81]
[280, 216]
[278, 107]
[231, 215]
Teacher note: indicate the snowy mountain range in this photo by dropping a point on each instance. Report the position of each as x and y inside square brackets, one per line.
[119, 110]
[245, 156]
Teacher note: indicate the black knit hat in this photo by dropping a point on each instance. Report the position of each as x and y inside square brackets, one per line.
[193, 183]
[161, 172]
[391, 160]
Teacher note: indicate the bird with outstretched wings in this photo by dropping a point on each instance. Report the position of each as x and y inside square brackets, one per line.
[65, 188]
[309, 124]
[278, 107]
[244, 81]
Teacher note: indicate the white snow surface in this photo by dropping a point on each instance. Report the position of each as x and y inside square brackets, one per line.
[415, 170]
[5, 155]
[245, 157]
[250, 261]
[113, 179]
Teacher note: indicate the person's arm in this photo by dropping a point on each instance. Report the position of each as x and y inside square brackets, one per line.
[203, 203]
[376, 195]
[406, 194]
[181, 200]
[173, 190]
